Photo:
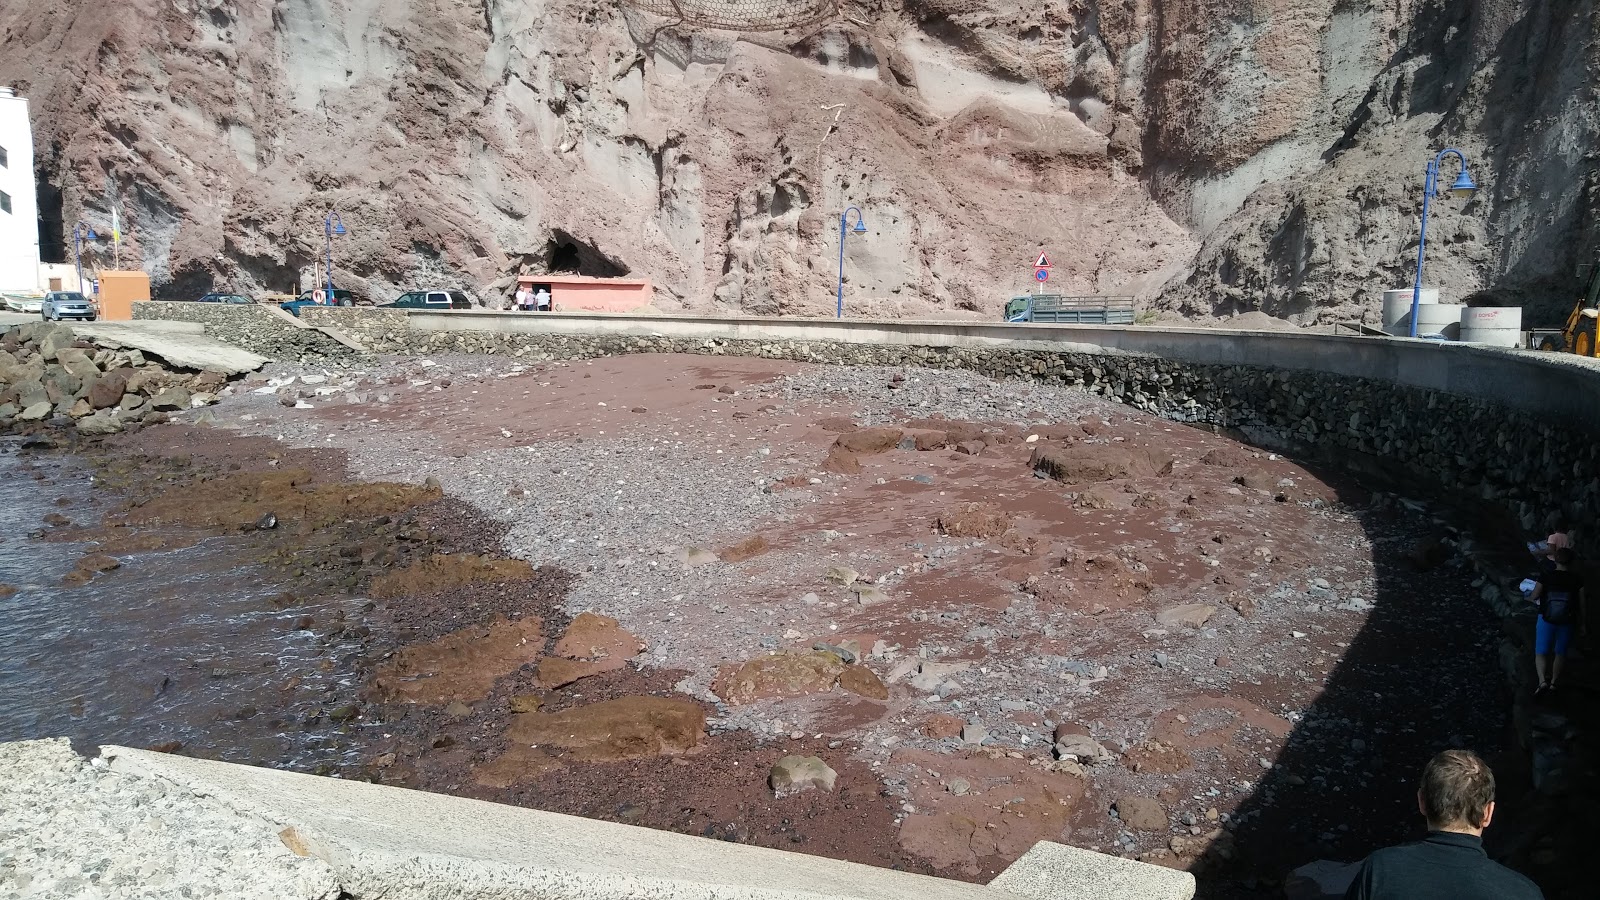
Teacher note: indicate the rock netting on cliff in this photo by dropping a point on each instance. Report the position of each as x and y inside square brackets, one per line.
[1211, 159]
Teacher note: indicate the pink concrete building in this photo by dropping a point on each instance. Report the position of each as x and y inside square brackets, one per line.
[581, 293]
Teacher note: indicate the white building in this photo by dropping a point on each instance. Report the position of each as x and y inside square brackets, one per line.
[19, 213]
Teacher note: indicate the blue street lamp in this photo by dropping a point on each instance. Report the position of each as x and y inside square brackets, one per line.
[332, 225]
[81, 233]
[1463, 188]
[861, 228]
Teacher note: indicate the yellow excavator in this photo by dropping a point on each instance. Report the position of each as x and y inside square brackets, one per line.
[1582, 332]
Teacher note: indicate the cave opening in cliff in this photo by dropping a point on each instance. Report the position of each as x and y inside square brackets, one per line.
[565, 253]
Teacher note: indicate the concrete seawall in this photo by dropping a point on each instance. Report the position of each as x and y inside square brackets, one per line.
[131, 816]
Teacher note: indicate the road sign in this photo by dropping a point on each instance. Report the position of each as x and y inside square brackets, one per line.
[1041, 275]
[1043, 262]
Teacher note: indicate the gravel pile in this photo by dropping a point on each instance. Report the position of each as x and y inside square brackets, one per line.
[70, 827]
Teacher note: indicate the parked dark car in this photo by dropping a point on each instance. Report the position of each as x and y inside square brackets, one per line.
[430, 300]
[224, 298]
[58, 305]
[341, 297]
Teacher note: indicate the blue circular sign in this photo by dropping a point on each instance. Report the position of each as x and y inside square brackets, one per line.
[1041, 274]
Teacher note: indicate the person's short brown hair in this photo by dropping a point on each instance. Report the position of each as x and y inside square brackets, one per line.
[1457, 787]
[1564, 556]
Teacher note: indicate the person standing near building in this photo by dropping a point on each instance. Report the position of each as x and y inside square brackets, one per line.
[1559, 594]
[541, 299]
[1456, 798]
[524, 300]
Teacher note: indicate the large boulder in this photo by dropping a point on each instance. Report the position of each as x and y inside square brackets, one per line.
[1189, 615]
[780, 675]
[52, 337]
[172, 399]
[99, 423]
[31, 393]
[35, 412]
[863, 682]
[1141, 814]
[77, 362]
[1084, 464]
[107, 390]
[793, 774]
[869, 441]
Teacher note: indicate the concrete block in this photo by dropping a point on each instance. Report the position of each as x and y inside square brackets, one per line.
[1058, 872]
[410, 845]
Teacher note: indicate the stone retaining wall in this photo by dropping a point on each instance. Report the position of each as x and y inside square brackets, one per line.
[255, 328]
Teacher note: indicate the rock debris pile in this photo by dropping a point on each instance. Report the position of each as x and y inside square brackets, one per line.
[51, 376]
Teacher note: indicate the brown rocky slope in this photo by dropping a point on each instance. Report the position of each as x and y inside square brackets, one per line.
[1212, 158]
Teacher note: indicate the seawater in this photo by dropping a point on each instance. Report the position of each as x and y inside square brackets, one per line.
[184, 645]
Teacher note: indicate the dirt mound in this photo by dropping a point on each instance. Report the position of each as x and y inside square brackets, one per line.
[779, 675]
[240, 499]
[863, 682]
[1097, 584]
[597, 637]
[749, 548]
[1087, 464]
[841, 462]
[443, 571]
[463, 665]
[1257, 481]
[555, 672]
[1225, 458]
[611, 730]
[979, 520]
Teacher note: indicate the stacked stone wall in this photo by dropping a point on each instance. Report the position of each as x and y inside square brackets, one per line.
[254, 328]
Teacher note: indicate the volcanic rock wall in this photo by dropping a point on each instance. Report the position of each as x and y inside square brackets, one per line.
[1212, 157]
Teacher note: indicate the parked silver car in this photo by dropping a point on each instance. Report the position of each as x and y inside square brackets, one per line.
[60, 305]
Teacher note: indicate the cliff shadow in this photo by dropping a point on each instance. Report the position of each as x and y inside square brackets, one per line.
[1423, 674]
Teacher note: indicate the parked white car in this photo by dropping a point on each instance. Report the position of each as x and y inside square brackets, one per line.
[60, 305]
[24, 304]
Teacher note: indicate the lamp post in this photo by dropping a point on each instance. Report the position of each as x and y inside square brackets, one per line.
[1462, 188]
[861, 228]
[80, 233]
[332, 225]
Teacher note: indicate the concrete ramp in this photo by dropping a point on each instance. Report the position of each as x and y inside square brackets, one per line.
[182, 345]
[399, 844]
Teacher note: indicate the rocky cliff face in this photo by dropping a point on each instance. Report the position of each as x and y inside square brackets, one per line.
[1210, 157]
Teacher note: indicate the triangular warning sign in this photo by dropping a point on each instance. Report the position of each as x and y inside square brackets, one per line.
[1043, 263]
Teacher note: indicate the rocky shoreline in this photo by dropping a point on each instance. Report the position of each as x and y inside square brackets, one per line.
[640, 603]
[49, 376]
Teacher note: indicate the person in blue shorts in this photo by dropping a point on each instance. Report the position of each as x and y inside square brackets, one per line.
[1559, 594]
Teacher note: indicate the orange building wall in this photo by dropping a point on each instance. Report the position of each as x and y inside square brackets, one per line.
[119, 291]
[574, 293]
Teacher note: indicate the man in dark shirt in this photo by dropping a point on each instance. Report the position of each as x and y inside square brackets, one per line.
[1457, 799]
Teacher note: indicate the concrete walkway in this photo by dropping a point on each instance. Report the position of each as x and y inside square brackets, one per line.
[214, 828]
[182, 345]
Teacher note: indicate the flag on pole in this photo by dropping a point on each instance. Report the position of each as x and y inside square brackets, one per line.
[116, 228]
